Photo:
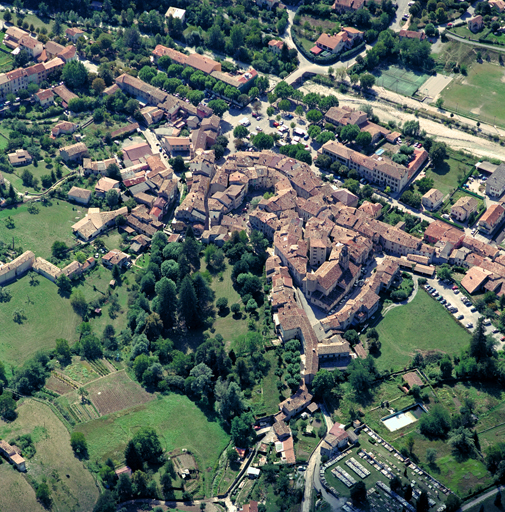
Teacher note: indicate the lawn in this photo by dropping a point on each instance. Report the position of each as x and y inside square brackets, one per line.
[446, 174]
[72, 486]
[48, 317]
[37, 232]
[3, 141]
[95, 284]
[266, 396]
[423, 325]
[229, 326]
[178, 422]
[480, 94]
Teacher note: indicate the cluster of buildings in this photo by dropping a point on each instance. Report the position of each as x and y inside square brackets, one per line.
[49, 58]
[243, 80]
[146, 178]
[206, 126]
[27, 261]
[321, 245]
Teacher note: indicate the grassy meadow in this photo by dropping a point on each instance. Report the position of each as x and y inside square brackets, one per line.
[178, 421]
[37, 232]
[72, 486]
[423, 325]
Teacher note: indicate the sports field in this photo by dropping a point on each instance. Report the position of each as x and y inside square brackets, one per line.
[478, 95]
[400, 80]
[424, 325]
[178, 422]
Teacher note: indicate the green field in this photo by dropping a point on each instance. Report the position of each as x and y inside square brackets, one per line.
[37, 232]
[423, 325]
[178, 421]
[478, 95]
[446, 174]
[72, 486]
[37, 171]
[48, 317]
[400, 80]
[228, 326]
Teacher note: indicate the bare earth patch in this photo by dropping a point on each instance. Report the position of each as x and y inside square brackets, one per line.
[116, 392]
[58, 386]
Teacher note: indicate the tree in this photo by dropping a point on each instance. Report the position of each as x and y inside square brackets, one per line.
[425, 184]
[411, 128]
[240, 132]
[98, 85]
[43, 494]
[235, 308]
[284, 105]
[78, 302]
[74, 74]
[349, 132]
[59, 249]
[112, 197]
[218, 106]
[431, 455]
[144, 447]
[436, 423]
[7, 406]
[63, 353]
[438, 151]
[263, 141]
[452, 503]
[188, 303]
[283, 90]
[165, 302]
[201, 376]
[222, 304]
[113, 172]
[64, 284]
[323, 383]
[79, 445]
[242, 431]
[364, 139]
[360, 377]
[422, 504]
[314, 116]
[358, 493]
[106, 502]
[367, 80]
[480, 346]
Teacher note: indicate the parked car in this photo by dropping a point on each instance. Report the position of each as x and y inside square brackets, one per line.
[460, 317]
[469, 325]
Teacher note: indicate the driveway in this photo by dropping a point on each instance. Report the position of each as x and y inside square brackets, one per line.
[445, 290]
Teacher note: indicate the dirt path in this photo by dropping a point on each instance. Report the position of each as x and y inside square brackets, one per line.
[404, 302]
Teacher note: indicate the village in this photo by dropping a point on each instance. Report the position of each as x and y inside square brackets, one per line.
[238, 275]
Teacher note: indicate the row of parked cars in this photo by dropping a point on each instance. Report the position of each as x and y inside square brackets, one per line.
[328, 488]
[453, 309]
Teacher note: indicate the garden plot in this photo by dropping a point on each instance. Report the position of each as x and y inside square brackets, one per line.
[116, 392]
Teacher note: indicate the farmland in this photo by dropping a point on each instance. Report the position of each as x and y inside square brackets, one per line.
[178, 421]
[116, 392]
[72, 487]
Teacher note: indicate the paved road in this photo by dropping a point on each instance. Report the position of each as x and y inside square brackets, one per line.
[493, 47]
[482, 497]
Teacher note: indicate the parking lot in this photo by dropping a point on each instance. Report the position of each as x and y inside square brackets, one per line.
[455, 298]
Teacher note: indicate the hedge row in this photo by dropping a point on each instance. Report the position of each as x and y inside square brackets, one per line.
[353, 52]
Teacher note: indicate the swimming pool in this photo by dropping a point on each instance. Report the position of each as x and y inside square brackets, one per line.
[403, 418]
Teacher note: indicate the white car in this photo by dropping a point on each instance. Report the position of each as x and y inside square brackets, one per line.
[259, 128]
